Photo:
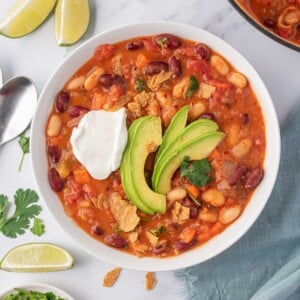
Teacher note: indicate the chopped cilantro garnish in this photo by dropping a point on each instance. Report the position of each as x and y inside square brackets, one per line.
[162, 42]
[193, 86]
[158, 231]
[140, 85]
[197, 172]
[31, 295]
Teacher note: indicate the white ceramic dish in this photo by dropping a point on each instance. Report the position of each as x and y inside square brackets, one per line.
[212, 247]
[39, 287]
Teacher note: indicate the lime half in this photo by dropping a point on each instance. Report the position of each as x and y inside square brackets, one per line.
[25, 16]
[71, 21]
[36, 257]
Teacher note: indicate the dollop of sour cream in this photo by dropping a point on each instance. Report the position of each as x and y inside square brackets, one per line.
[99, 141]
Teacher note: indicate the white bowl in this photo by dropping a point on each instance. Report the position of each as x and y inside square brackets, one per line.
[39, 287]
[216, 245]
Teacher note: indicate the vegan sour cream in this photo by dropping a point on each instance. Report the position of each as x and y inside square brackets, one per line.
[99, 141]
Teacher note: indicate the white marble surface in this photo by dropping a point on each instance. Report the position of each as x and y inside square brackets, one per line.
[36, 56]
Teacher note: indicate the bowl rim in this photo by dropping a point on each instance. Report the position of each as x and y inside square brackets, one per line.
[186, 259]
[38, 286]
[261, 28]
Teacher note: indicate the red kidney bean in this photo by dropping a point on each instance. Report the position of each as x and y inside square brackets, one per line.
[96, 230]
[270, 23]
[107, 80]
[175, 66]
[54, 154]
[75, 111]
[55, 181]
[181, 246]
[115, 240]
[193, 209]
[166, 40]
[155, 67]
[254, 178]
[208, 116]
[134, 45]
[203, 51]
[160, 248]
[246, 119]
[62, 101]
[237, 174]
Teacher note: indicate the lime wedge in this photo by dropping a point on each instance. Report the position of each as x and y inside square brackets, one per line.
[36, 257]
[71, 21]
[25, 16]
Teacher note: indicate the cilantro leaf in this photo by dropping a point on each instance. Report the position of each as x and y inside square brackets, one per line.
[140, 85]
[25, 210]
[193, 86]
[38, 227]
[197, 172]
[24, 142]
[23, 294]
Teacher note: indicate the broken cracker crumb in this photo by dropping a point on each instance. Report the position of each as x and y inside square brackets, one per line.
[150, 281]
[111, 277]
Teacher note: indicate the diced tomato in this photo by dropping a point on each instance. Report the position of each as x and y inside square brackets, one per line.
[81, 176]
[104, 52]
[187, 234]
[198, 65]
[188, 51]
[150, 46]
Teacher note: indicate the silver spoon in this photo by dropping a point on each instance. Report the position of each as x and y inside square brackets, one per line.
[18, 100]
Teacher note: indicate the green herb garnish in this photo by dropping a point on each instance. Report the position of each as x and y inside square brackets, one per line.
[118, 230]
[160, 230]
[21, 294]
[197, 172]
[26, 209]
[193, 86]
[38, 227]
[24, 144]
[140, 85]
[162, 42]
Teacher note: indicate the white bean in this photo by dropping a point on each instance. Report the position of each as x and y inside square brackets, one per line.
[242, 148]
[220, 64]
[54, 126]
[196, 110]
[207, 215]
[76, 83]
[229, 214]
[92, 80]
[213, 197]
[237, 79]
[176, 194]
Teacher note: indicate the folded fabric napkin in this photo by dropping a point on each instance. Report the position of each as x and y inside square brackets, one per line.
[265, 263]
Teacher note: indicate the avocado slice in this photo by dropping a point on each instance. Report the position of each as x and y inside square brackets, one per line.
[192, 131]
[196, 149]
[126, 174]
[145, 136]
[175, 128]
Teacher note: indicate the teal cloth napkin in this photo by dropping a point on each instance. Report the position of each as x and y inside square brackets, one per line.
[265, 263]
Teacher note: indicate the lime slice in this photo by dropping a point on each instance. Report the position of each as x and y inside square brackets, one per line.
[36, 257]
[71, 21]
[25, 16]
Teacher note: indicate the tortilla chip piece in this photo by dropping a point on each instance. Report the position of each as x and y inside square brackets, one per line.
[123, 212]
[150, 281]
[156, 81]
[180, 213]
[111, 277]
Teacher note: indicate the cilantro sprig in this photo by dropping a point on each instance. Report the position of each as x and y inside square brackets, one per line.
[192, 87]
[26, 209]
[196, 172]
[162, 42]
[24, 142]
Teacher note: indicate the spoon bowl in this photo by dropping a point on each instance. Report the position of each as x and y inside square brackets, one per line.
[18, 100]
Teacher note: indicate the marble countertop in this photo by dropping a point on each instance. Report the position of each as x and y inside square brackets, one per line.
[36, 57]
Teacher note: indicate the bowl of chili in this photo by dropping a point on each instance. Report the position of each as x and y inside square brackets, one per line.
[280, 20]
[159, 73]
